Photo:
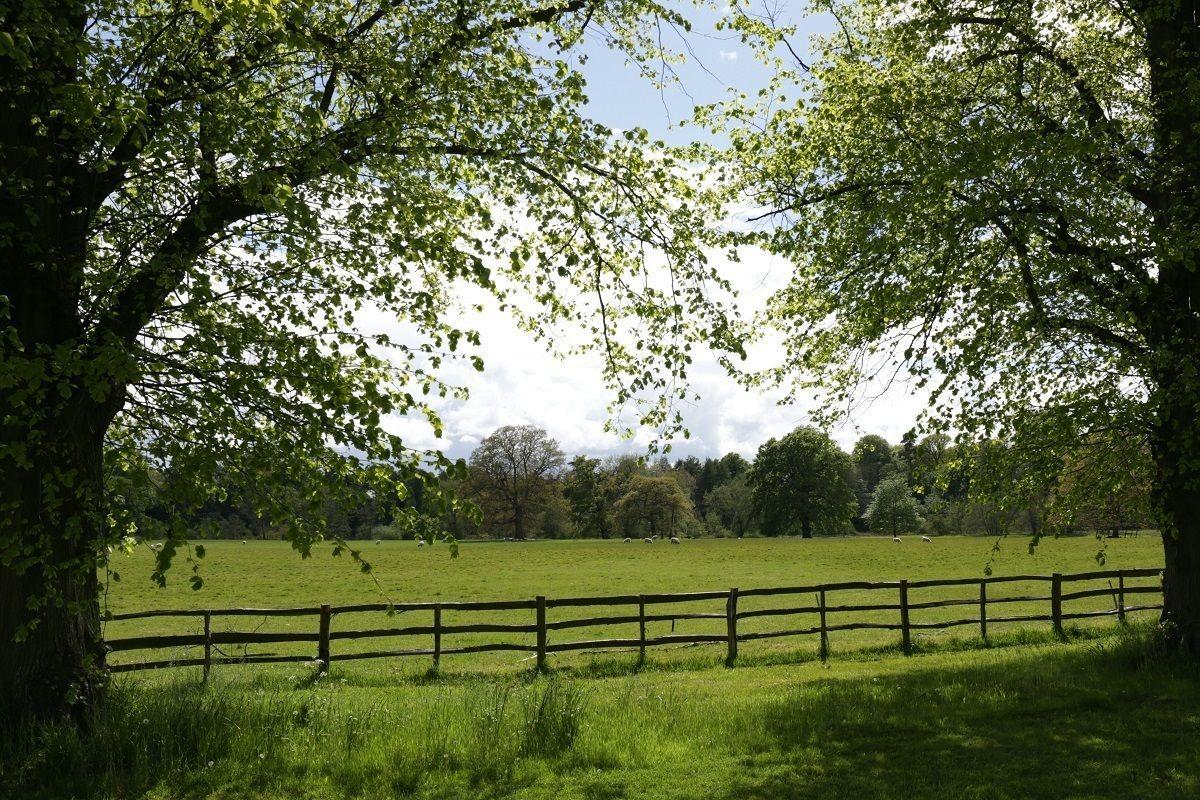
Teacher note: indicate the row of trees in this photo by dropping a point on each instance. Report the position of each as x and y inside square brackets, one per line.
[801, 484]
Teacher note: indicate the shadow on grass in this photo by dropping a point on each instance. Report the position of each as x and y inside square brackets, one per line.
[1106, 721]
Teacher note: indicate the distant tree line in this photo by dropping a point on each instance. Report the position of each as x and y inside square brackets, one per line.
[802, 484]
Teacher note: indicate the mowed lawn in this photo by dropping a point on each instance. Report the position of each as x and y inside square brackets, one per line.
[270, 574]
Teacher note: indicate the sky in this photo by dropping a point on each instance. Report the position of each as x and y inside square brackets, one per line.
[523, 383]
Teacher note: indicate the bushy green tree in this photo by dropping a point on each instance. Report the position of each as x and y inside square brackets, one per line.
[208, 211]
[583, 487]
[893, 509]
[732, 504]
[801, 483]
[1003, 200]
[654, 503]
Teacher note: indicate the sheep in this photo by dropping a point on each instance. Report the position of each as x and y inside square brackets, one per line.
[674, 540]
[627, 540]
[926, 539]
[648, 540]
[420, 542]
[379, 541]
[896, 539]
[243, 541]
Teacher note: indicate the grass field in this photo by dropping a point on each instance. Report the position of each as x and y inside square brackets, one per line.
[270, 574]
[1104, 718]
[1106, 713]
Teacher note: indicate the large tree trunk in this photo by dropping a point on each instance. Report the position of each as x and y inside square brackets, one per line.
[51, 649]
[1173, 51]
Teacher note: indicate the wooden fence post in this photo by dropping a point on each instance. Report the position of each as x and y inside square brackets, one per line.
[824, 629]
[323, 639]
[1056, 602]
[904, 632]
[541, 633]
[983, 610]
[731, 627]
[1121, 596]
[207, 643]
[641, 629]
[437, 636]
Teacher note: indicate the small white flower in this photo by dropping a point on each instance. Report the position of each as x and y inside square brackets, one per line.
[145, 720]
[262, 755]
[211, 763]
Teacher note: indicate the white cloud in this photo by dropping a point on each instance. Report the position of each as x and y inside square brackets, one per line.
[523, 382]
[727, 55]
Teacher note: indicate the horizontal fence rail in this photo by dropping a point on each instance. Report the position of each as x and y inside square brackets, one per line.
[898, 611]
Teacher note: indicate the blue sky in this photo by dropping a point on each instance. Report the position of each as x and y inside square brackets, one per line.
[522, 383]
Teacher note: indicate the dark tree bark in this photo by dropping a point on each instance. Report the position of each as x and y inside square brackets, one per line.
[1173, 50]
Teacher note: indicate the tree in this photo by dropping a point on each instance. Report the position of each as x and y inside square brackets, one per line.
[802, 482]
[1002, 200]
[655, 502]
[893, 508]
[733, 504]
[872, 456]
[583, 487]
[514, 469]
[207, 209]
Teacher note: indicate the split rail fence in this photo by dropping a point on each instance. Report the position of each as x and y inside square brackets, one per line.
[821, 611]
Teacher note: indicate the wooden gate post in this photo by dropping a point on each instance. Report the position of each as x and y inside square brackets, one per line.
[824, 628]
[207, 643]
[1121, 596]
[641, 629]
[983, 610]
[906, 637]
[437, 636]
[541, 633]
[323, 639]
[1056, 602]
[731, 627]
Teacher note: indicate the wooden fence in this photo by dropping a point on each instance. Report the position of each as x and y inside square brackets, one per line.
[324, 636]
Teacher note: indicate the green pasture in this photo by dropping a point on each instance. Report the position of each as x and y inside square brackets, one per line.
[270, 574]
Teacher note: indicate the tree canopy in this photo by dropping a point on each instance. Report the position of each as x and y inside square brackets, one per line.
[893, 509]
[233, 234]
[802, 482]
[1001, 199]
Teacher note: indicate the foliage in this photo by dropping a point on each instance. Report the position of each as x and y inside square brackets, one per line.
[1001, 200]
[513, 469]
[236, 238]
[656, 504]
[732, 504]
[583, 486]
[803, 482]
[893, 508]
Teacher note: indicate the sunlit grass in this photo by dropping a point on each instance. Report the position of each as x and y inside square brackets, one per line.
[1103, 717]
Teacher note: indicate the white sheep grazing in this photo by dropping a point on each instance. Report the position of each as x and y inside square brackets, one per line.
[243, 541]
[379, 541]
[895, 538]
[627, 540]
[648, 540]
[926, 539]
[674, 540]
[420, 542]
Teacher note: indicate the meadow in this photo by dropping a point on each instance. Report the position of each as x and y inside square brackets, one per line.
[258, 574]
[1104, 712]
